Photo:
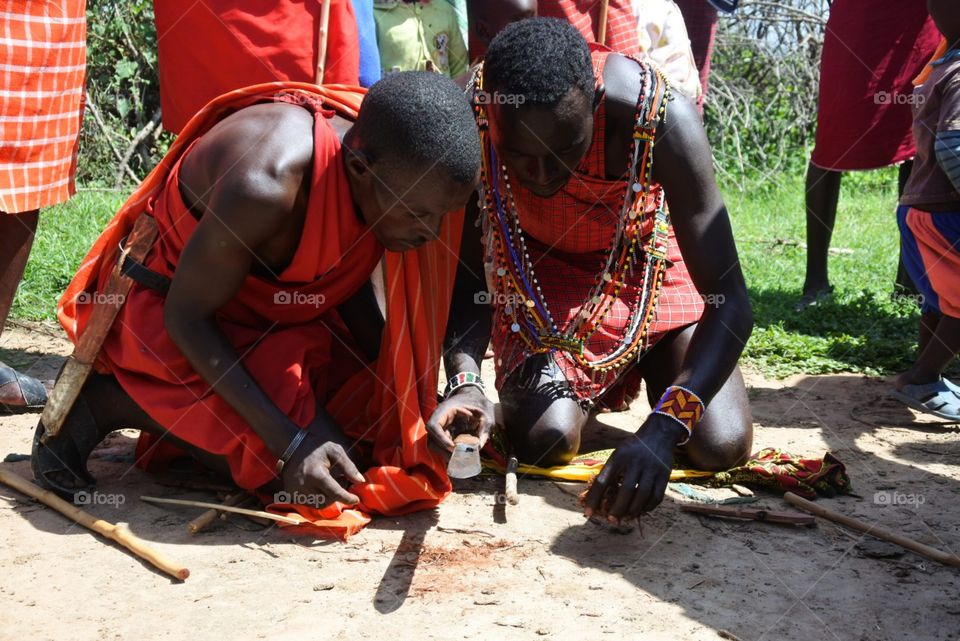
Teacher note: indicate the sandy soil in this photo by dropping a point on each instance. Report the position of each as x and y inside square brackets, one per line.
[476, 568]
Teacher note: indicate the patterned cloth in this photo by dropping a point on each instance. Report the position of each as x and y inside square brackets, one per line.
[287, 328]
[42, 64]
[769, 467]
[585, 16]
[701, 20]
[567, 237]
[663, 38]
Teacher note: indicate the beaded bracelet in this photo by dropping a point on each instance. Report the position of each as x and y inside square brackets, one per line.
[463, 379]
[683, 406]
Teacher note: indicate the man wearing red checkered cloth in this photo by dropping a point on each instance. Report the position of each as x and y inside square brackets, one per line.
[595, 285]
[42, 66]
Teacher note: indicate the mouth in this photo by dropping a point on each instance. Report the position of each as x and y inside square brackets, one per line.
[548, 189]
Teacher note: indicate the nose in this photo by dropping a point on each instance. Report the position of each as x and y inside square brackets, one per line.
[543, 170]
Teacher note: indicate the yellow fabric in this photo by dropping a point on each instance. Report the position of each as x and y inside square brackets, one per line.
[583, 468]
[411, 34]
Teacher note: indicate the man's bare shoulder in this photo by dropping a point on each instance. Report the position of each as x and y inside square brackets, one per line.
[259, 153]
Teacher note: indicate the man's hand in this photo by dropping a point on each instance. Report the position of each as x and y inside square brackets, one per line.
[466, 411]
[635, 478]
[317, 469]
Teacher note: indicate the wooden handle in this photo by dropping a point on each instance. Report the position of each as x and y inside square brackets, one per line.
[510, 482]
[322, 37]
[602, 29]
[119, 533]
[872, 530]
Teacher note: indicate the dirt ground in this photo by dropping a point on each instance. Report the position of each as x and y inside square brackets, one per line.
[476, 568]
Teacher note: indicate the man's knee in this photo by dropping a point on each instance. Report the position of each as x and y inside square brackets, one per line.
[721, 447]
[543, 431]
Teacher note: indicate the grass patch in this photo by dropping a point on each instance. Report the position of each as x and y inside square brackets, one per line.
[861, 330]
[64, 236]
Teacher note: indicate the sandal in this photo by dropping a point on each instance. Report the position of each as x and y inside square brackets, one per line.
[68, 451]
[936, 398]
[20, 392]
[814, 299]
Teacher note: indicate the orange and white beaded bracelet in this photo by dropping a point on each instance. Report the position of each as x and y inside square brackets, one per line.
[683, 406]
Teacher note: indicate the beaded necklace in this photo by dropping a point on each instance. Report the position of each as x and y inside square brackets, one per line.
[526, 308]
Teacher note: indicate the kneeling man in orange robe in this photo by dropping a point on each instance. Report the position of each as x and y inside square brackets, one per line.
[252, 338]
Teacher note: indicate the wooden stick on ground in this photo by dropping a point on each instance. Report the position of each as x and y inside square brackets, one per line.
[872, 530]
[602, 29]
[119, 532]
[323, 35]
[208, 517]
[510, 481]
[751, 514]
[222, 508]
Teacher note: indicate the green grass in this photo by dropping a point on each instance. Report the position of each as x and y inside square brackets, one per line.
[64, 235]
[861, 330]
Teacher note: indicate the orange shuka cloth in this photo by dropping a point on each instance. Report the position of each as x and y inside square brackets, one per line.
[208, 48]
[286, 330]
[41, 101]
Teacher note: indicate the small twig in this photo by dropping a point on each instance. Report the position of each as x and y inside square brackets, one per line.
[107, 134]
[132, 147]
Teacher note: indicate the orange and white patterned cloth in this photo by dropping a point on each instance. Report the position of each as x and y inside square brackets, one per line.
[42, 64]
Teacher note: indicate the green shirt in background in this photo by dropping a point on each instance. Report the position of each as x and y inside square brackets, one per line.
[409, 34]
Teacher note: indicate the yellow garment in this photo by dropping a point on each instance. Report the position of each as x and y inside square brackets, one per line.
[411, 35]
[583, 468]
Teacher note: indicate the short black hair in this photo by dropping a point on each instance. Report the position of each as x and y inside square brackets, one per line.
[541, 59]
[417, 118]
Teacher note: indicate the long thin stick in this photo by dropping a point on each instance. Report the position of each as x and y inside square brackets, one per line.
[119, 532]
[223, 508]
[322, 38]
[873, 530]
[770, 516]
[602, 29]
[208, 517]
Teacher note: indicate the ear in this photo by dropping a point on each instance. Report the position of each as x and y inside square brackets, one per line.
[358, 165]
[598, 95]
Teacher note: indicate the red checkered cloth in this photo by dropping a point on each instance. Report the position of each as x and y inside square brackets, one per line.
[568, 235]
[585, 16]
[700, 18]
[42, 65]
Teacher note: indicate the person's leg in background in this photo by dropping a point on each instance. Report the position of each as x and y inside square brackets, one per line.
[16, 239]
[822, 196]
[903, 284]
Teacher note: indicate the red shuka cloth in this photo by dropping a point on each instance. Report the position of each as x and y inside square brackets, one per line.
[872, 51]
[287, 331]
[208, 48]
[585, 16]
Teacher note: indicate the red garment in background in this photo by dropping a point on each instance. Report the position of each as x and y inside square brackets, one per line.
[700, 18]
[585, 16]
[209, 48]
[872, 51]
